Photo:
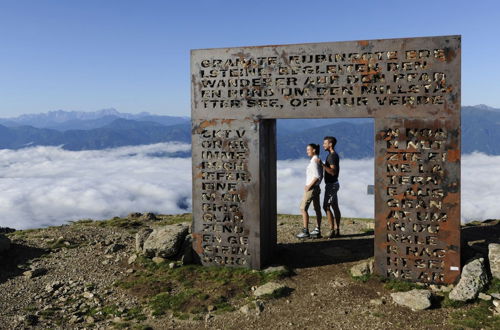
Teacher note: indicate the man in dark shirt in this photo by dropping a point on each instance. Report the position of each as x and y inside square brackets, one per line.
[332, 168]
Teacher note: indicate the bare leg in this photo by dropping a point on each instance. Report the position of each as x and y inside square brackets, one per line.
[336, 211]
[329, 214]
[317, 208]
[305, 218]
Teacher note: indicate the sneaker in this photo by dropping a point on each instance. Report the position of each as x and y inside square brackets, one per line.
[315, 233]
[303, 234]
[333, 233]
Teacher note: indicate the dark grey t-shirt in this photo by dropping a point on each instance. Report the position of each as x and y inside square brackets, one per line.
[332, 159]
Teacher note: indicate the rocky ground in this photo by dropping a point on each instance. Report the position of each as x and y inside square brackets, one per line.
[86, 275]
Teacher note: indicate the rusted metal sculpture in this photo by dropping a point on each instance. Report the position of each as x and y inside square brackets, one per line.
[411, 87]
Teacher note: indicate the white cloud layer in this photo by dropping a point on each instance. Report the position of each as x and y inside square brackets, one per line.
[44, 186]
[49, 186]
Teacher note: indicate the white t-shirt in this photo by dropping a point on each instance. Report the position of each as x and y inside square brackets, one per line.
[314, 170]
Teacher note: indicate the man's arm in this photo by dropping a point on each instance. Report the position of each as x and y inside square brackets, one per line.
[328, 169]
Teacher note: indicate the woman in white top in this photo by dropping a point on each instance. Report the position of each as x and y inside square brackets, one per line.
[314, 175]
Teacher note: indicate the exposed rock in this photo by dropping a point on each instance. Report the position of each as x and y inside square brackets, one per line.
[134, 215]
[4, 243]
[494, 258]
[472, 281]
[149, 217]
[165, 241]
[141, 237]
[269, 289]
[415, 299]
[376, 302]
[172, 265]
[363, 268]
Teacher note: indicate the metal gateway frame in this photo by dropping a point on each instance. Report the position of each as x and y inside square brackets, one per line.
[410, 86]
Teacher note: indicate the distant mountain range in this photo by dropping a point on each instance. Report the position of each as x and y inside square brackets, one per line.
[109, 128]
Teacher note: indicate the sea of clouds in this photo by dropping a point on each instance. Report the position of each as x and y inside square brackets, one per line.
[45, 186]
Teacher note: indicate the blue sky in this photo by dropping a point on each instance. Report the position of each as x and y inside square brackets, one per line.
[134, 55]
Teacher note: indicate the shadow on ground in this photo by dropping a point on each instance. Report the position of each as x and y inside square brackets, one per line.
[320, 252]
[16, 256]
[476, 237]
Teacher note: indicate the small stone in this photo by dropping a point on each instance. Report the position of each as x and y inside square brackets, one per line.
[376, 302]
[313, 294]
[276, 269]
[245, 309]
[211, 308]
[114, 248]
[415, 299]
[89, 319]
[88, 295]
[259, 305]
[495, 295]
[158, 260]
[75, 319]
[363, 268]
[172, 265]
[208, 317]
[51, 287]
[269, 289]
[105, 262]
[132, 259]
[130, 271]
[496, 310]
[484, 296]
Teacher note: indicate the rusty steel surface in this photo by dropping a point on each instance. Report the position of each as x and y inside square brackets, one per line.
[410, 86]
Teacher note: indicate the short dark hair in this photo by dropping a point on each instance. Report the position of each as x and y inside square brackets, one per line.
[315, 148]
[331, 139]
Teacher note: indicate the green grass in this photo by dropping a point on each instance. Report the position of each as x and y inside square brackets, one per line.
[477, 317]
[61, 243]
[494, 286]
[363, 278]
[400, 285]
[191, 289]
[449, 303]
